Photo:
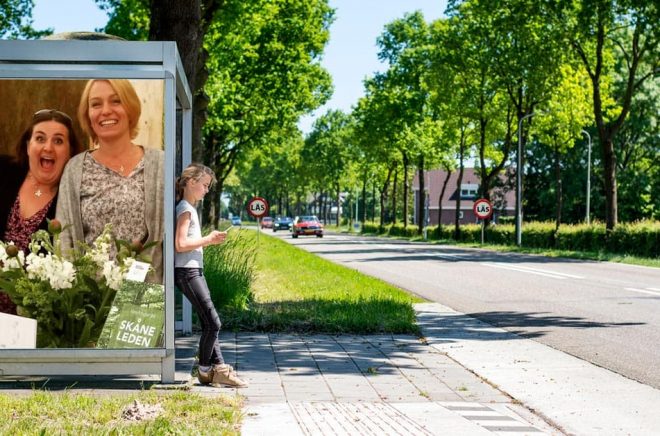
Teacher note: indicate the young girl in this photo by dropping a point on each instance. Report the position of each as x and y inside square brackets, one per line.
[191, 187]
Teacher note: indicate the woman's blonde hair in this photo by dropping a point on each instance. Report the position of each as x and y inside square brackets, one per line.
[128, 97]
[194, 171]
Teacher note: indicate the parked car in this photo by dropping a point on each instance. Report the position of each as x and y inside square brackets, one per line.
[307, 225]
[267, 222]
[282, 223]
[236, 220]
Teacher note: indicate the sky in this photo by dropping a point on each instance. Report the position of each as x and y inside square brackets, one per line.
[350, 56]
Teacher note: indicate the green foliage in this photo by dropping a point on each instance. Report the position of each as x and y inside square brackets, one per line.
[264, 73]
[400, 230]
[128, 19]
[229, 269]
[16, 20]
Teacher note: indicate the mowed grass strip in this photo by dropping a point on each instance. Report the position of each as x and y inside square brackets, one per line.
[44, 412]
[296, 291]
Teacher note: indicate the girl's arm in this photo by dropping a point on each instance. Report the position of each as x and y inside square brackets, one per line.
[183, 244]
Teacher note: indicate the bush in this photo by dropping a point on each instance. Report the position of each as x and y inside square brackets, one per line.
[640, 239]
[581, 237]
[229, 270]
[399, 230]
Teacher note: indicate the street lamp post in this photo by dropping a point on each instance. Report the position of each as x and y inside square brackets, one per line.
[588, 218]
[519, 171]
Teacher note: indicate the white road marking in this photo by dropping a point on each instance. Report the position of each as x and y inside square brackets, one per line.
[538, 271]
[652, 291]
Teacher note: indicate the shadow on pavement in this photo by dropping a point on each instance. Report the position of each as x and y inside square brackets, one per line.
[448, 328]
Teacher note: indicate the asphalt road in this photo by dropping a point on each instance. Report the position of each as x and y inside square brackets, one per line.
[605, 313]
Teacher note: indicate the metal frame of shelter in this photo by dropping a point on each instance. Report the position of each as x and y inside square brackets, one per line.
[77, 59]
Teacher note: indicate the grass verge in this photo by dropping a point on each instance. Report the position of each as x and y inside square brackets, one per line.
[296, 291]
[68, 413]
[584, 255]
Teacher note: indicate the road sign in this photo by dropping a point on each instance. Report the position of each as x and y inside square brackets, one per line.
[483, 209]
[257, 207]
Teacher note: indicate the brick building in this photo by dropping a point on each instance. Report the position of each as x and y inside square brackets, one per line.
[504, 201]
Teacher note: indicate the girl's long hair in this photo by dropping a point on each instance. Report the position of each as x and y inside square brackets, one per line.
[194, 171]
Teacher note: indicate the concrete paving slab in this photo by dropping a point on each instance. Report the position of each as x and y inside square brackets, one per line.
[360, 385]
[576, 396]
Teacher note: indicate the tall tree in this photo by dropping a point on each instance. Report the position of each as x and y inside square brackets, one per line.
[327, 152]
[567, 113]
[186, 23]
[596, 29]
[16, 20]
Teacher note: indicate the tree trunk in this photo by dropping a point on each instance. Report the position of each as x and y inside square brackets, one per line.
[421, 204]
[394, 183]
[442, 195]
[558, 188]
[373, 202]
[363, 209]
[186, 23]
[405, 190]
[459, 180]
[338, 205]
[383, 198]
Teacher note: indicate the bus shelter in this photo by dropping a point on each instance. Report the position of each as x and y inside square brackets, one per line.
[51, 74]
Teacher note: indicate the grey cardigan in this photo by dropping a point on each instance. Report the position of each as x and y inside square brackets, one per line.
[68, 205]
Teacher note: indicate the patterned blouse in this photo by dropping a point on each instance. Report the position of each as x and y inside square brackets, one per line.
[18, 231]
[108, 197]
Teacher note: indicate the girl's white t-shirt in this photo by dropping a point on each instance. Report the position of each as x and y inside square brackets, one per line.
[193, 258]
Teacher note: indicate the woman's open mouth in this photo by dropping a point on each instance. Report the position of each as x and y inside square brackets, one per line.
[47, 163]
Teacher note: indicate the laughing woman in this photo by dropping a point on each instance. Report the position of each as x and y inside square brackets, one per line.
[118, 182]
[28, 189]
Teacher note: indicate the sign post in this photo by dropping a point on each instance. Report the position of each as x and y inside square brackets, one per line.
[258, 208]
[483, 209]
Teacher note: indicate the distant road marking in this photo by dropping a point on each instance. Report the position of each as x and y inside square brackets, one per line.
[448, 256]
[652, 291]
[538, 271]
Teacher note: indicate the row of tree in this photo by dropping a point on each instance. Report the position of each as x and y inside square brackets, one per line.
[474, 86]
[491, 78]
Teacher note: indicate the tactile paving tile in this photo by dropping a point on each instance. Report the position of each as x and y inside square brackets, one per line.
[329, 418]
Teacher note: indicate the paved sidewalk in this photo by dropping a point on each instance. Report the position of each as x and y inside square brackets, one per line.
[364, 385]
[465, 378]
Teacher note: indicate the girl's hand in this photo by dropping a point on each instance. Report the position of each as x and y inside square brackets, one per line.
[216, 237]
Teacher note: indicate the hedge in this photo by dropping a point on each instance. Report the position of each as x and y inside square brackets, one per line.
[636, 239]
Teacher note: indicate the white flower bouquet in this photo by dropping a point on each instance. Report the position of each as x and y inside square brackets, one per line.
[70, 297]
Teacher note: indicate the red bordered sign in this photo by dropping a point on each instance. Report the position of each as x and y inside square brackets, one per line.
[257, 207]
[483, 209]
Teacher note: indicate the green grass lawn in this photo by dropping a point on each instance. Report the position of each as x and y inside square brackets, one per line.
[77, 414]
[296, 291]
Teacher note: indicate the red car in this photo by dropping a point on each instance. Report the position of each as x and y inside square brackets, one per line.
[266, 222]
[307, 225]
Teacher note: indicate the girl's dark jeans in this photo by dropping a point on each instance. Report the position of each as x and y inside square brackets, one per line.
[192, 283]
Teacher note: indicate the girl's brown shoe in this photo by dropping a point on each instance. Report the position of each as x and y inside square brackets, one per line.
[205, 377]
[224, 375]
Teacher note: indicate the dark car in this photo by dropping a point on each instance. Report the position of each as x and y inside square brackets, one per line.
[307, 225]
[282, 223]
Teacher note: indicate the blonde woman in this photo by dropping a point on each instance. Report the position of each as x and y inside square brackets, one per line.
[117, 182]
